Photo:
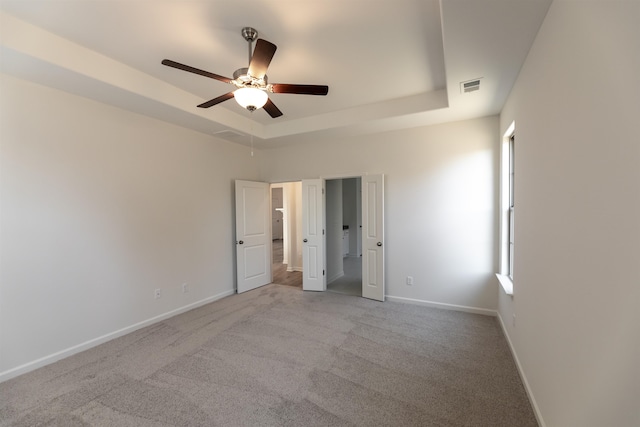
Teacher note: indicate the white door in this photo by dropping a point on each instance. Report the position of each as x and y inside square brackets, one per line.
[313, 238]
[253, 235]
[373, 237]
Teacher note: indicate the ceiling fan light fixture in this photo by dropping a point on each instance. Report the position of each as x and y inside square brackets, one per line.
[251, 98]
[251, 82]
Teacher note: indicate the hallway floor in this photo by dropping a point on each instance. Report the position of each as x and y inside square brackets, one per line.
[280, 274]
[349, 284]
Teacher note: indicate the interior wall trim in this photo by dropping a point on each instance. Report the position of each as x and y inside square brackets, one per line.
[46, 360]
[523, 377]
[476, 310]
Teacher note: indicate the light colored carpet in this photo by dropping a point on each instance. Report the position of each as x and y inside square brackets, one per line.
[277, 356]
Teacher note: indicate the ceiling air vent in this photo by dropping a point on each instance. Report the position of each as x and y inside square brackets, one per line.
[470, 86]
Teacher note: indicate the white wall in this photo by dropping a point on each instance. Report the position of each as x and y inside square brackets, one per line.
[333, 208]
[297, 194]
[577, 281]
[277, 216]
[350, 199]
[293, 224]
[441, 201]
[99, 207]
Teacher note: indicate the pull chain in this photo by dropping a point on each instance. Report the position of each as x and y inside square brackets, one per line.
[252, 135]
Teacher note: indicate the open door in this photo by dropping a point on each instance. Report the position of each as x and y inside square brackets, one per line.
[373, 237]
[253, 235]
[313, 276]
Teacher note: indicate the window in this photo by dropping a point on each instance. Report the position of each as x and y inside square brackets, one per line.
[507, 210]
[511, 217]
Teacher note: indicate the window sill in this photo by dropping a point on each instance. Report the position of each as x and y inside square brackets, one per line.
[506, 283]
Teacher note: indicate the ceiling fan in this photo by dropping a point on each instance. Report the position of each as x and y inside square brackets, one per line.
[251, 83]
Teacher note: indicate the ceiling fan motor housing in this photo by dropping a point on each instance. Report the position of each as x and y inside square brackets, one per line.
[243, 79]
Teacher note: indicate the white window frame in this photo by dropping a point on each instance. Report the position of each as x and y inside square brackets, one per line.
[507, 210]
[511, 218]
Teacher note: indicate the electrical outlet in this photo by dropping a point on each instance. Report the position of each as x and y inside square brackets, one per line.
[409, 280]
[185, 288]
[157, 293]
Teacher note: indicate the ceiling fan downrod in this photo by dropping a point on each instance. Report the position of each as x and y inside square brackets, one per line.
[241, 77]
[250, 35]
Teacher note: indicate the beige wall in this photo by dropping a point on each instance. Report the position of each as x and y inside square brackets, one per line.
[334, 223]
[577, 281]
[441, 200]
[99, 207]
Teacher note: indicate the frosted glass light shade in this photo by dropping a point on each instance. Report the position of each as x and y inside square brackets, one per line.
[251, 98]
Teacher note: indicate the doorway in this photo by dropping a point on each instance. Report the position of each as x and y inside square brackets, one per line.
[343, 212]
[344, 235]
[285, 219]
[254, 244]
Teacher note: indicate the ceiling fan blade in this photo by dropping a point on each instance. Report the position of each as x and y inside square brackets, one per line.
[271, 108]
[217, 100]
[300, 89]
[262, 55]
[183, 67]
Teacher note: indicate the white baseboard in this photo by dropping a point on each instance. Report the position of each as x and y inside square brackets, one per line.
[523, 377]
[43, 361]
[495, 313]
[476, 310]
[294, 269]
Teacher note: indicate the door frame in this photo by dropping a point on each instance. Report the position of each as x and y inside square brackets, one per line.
[325, 178]
[349, 176]
[288, 236]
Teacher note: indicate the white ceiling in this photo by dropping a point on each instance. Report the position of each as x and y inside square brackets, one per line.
[389, 64]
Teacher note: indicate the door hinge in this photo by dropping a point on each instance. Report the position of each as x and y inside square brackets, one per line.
[323, 272]
[323, 191]
[323, 231]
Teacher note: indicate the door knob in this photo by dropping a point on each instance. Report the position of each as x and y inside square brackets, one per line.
[379, 243]
[240, 242]
[305, 240]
